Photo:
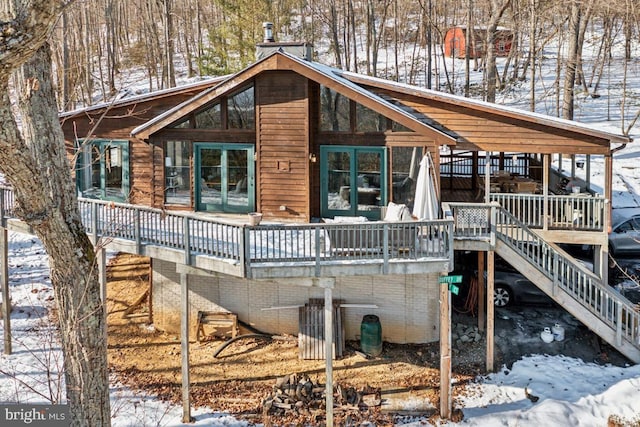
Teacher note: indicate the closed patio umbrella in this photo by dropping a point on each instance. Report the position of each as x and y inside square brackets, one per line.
[425, 204]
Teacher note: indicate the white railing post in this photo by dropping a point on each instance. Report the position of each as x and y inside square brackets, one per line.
[136, 230]
[618, 323]
[385, 248]
[450, 241]
[245, 251]
[493, 218]
[94, 222]
[555, 273]
[317, 239]
[186, 240]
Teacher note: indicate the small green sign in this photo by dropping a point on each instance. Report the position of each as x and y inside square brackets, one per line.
[454, 289]
[450, 279]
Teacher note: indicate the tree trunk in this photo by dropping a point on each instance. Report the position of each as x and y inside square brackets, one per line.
[532, 54]
[34, 161]
[572, 59]
[497, 10]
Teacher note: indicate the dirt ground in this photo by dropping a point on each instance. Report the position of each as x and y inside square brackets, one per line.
[244, 373]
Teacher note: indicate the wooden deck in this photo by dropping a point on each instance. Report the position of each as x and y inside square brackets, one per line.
[460, 189]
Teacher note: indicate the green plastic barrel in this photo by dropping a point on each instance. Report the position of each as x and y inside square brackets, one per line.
[371, 335]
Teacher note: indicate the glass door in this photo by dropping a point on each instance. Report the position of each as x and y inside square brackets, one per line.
[353, 181]
[224, 177]
[103, 170]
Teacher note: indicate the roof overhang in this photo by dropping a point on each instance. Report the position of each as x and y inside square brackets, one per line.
[485, 107]
[141, 98]
[324, 75]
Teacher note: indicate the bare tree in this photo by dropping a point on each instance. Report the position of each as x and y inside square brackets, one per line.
[579, 16]
[498, 8]
[34, 161]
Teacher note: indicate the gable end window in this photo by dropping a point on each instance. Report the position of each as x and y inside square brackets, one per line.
[241, 110]
[334, 111]
[340, 114]
[210, 118]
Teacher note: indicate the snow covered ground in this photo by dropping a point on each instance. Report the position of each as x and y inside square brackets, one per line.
[569, 391]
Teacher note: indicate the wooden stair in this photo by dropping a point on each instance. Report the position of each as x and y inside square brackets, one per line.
[579, 291]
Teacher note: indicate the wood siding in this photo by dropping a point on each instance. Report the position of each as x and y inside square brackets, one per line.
[282, 146]
[483, 131]
[117, 122]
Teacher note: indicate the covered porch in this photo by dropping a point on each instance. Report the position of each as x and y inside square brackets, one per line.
[556, 202]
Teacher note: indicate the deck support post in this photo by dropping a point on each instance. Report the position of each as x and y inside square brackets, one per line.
[546, 164]
[481, 291]
[445, 351]
[184, 346]
[328, 346]
[487, 176]
[606, 221]
[490, 311]
[6, 299]
[588, 170]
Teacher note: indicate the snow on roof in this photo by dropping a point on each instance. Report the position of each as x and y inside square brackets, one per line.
[327, 71]
[354, 81]
[142, 97]
[498, 108]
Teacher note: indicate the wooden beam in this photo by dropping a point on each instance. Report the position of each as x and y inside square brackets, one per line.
[459, 105]
[6, 298]
[490, 310]
[487, 176]
[184, 346]
[546, 164]
[445, 351]
[608, 194]
[481, 289]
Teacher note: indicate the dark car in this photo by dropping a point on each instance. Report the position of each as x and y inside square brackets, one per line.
[624, 238]
[510, 287]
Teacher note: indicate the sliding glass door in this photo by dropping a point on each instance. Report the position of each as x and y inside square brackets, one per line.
[224, 177]
[353, 181]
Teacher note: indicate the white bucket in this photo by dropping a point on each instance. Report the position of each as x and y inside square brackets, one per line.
[546, 335]
[254, 218]
[558, 332]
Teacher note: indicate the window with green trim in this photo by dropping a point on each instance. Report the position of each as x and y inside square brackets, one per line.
[102, 170]
[353, 181]
[177, 173]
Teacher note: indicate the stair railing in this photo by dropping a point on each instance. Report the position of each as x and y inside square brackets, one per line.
[571, 277]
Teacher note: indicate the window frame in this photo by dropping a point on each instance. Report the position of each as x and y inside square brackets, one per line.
[84, 177]
[374, 214]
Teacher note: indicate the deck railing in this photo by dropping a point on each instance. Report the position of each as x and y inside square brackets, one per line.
[461, 164]
[196, 234]
[471, 221]
[565, 212]
[571, 277]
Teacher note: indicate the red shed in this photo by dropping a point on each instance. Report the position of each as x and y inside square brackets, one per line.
[455, 37]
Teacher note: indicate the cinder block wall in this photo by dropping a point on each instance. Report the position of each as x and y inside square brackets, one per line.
[407, 304]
